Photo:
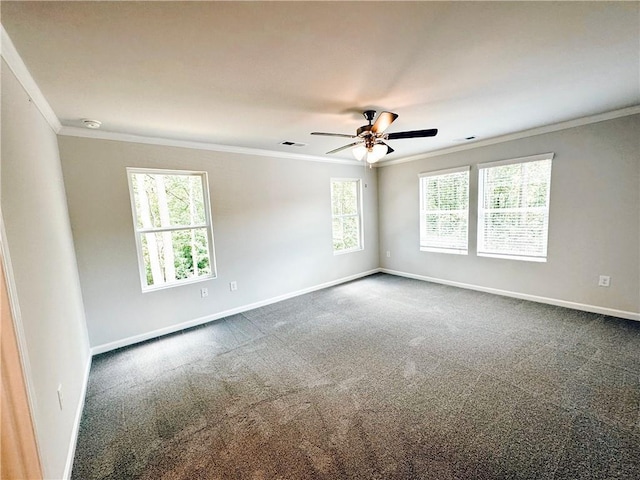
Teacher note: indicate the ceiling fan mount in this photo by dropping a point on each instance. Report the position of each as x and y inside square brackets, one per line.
[365, 130]
[369, 115]
[370, 143]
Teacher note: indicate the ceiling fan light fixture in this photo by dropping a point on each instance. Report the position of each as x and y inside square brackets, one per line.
[375, 153]
[359, 152]
[371, 153]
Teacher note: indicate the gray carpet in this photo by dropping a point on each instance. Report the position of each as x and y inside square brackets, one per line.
[384, 377]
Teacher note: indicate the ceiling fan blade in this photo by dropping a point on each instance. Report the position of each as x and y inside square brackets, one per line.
[383, 121]
[344, 148]
[333, 134]
[412, 134]
[389, 149]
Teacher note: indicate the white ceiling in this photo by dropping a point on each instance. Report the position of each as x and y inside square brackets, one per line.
[254, 74]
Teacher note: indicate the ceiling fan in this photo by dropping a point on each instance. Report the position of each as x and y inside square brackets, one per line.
[371, 138]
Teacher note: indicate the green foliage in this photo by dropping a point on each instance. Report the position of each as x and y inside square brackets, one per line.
[346, 233]
[344, 197]
[516, 207]
[447, 192]
[172, 201]
[521, 185]
[181, 192]
[445, 229]
[346, 218]
[181, 243]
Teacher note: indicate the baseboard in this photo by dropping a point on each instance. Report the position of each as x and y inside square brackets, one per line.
[523, 296]
[226, 313]
[76, 424]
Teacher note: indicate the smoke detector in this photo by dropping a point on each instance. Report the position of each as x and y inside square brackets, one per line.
[91, 123]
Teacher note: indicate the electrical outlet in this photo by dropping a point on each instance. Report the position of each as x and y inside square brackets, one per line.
[60, 397]
[388, 254]
[204, 292]
[233, 286]
[604, 281]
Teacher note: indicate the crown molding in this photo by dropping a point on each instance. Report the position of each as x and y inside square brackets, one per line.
[9, 53]
[20, 70]
[125, 137]
[14, 61]
[578, 122]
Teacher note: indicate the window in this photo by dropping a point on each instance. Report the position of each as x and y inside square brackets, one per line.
[513, 208]
[172, 225]
[346, 209]
[444, 211]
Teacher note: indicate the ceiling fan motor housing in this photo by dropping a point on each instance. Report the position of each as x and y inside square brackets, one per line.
[364, 131]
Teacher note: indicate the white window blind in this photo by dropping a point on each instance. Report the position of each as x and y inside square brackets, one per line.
[513, 208]
[444, 211]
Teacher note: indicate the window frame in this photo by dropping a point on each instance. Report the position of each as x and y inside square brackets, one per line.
[359, 214]
[423, 211]
[480, 250]
[138, 232]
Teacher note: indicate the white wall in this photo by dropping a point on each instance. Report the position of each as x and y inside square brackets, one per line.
[594, 225]
[41, 248]
[272, 230]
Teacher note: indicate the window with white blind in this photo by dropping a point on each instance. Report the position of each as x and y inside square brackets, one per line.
[172, 224]
[513, 208]
[346, 213]
[444, 211]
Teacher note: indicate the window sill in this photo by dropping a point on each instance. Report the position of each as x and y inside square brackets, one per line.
[180, 283]
[514, 257]
[351, 250]
[444, 250]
